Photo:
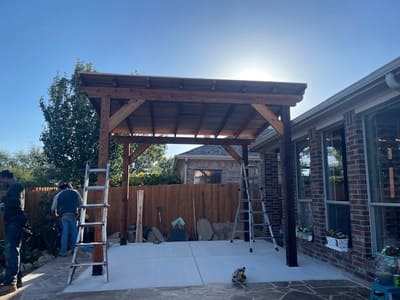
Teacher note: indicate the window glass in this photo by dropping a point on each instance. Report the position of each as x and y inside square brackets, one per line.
[383, 154]
[338, 214]
[335, 172]
[383, 134]
[303, 163]
[207, 176]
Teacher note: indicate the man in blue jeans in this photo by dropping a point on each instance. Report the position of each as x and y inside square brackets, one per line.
[65, 204]
[14, 220]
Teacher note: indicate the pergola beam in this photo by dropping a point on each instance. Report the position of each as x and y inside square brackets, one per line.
[270, 117]
[123, 112]
[196, 96]
[180, 140]
[233, 153]
[139, 150]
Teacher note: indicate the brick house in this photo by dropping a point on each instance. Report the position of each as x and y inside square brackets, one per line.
[347, 158]
[210, 164]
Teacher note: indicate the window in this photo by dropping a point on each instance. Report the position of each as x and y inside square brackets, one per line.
[383, 154]
[207, 176]
[335, 169]
[303, 164]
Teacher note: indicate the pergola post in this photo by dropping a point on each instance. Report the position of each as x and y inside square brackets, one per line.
[287, 189]
[125, 195]
[104, 140]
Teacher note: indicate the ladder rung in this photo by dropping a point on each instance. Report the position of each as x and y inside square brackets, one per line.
[95, 188]
[91, 244]
[97, 170]
[95, 205]
[89, 264]
[91, 224]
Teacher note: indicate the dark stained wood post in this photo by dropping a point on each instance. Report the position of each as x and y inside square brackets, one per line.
[245, 156]
[288, 189]
[104, 140]
[125, 195]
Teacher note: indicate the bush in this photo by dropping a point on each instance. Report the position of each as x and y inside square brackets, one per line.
[142, 179]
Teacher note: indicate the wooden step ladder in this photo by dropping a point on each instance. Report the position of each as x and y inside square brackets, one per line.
[255, 208]
[82, 224]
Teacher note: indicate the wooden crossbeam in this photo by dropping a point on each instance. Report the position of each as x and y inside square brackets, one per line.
[179, 140]
[188, 96]
[139, 150]
[233, 153]
[123, 112]
[269, 116]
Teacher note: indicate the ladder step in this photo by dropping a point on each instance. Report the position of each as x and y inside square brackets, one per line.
[91, 224]
[95, 205]
[91, 244]
[97, 170]
[89, 264]
[95, 188]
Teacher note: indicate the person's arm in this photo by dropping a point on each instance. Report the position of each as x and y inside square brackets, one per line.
[55, 204]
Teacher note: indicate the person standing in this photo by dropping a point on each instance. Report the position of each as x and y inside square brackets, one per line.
[66, 204]
[14, 221]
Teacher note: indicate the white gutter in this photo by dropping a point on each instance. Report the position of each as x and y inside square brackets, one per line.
[392, 82]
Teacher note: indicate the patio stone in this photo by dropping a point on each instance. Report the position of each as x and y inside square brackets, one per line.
[296, 295]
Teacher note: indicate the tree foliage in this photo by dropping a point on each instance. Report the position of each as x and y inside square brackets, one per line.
[70, 137]
[30, 168]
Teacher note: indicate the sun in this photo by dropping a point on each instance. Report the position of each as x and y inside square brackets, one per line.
[253, 74]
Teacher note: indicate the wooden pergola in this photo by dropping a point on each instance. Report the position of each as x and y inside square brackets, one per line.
[165, 110]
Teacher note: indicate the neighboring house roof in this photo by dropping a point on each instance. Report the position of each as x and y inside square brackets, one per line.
[384, 78]
[213, 152]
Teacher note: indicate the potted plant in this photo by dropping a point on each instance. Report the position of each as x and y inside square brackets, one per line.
[337, 240]
[305, 233]
[388, 264]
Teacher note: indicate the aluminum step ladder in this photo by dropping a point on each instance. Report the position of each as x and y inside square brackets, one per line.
[255, 208]
[83, 225]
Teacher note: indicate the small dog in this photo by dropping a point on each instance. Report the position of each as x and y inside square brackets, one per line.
[238, 277]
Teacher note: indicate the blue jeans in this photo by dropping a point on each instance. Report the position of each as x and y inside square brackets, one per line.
[13, 235]
[68, 233]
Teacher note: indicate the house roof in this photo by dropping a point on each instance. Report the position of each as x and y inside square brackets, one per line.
[151, 109]
[210, 151]
[374, 82]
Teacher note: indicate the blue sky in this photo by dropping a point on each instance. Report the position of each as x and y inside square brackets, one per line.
[326, 44]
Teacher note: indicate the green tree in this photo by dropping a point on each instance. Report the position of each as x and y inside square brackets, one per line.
[70, 137]
[31, 168]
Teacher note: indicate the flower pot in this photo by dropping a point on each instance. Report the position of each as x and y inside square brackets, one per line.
[341, 245]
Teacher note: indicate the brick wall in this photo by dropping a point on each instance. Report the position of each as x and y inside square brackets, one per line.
[357, 260]
[272, 192]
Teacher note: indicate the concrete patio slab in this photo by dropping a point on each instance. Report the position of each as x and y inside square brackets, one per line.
[180, 264]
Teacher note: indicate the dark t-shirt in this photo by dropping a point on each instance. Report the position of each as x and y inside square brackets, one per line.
[14, 201]
[68, 201]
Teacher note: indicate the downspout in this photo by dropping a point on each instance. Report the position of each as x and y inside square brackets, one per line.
[392, 82]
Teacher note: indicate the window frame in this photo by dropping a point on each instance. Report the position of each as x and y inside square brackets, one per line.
[302, 200]
[329, 202]
[373, 205]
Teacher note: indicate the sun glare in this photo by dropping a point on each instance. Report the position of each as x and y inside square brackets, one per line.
[253, 74]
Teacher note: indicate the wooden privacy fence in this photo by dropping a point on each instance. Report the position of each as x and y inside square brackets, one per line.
[162, 204]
